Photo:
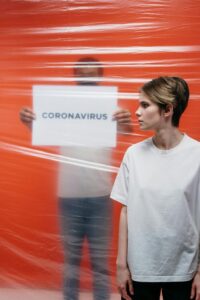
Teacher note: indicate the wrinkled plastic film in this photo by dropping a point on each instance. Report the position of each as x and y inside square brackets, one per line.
[58, 226]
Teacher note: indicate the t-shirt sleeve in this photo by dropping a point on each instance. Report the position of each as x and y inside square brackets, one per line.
[120, 188]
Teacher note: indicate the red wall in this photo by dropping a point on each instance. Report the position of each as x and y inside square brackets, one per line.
[40, 41]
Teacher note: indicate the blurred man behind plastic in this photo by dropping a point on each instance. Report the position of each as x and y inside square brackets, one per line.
[85, 208]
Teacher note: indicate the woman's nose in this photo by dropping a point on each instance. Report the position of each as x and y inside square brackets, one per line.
[138, 112]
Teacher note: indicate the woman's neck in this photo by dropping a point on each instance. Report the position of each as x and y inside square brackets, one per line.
[167, 138]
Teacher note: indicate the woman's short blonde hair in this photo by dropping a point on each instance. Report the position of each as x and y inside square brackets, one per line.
[165, 91]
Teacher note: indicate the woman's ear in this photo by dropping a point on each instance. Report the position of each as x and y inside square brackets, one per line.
[168, 111]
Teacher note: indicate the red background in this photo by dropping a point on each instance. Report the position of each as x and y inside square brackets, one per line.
[40, 41]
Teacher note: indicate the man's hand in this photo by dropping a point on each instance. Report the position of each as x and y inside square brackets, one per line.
[195, 292]
[27, 116]
[124, 121]
[124, 282]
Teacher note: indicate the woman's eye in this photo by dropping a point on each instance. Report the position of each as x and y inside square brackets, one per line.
[144, 105]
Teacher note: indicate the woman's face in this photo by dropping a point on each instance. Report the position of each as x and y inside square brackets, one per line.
[149, 115]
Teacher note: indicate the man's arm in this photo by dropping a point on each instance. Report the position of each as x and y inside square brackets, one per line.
[124, 280]
[27, 116]
[124, 121]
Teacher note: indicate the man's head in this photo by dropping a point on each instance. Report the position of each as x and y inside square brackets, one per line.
[88, 71]
[166, 91]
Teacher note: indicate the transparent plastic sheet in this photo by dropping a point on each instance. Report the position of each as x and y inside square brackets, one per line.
[40, 43]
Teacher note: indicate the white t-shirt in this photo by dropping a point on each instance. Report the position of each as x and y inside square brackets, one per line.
[84, 175]
[161, 189]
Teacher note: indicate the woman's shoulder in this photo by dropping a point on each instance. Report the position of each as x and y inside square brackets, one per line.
[191, 142]
[140, 146]
[192, 148]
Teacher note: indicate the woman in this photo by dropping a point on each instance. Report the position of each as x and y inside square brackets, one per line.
[159, 186]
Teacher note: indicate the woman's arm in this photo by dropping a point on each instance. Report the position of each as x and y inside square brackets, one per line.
[124, 280]
[195, 292]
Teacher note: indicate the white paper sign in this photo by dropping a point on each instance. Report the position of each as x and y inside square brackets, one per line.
[74, 115]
